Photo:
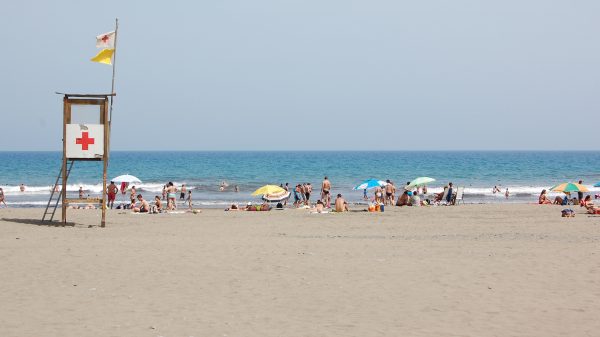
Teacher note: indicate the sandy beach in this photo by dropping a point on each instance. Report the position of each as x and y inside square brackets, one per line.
[470, 270]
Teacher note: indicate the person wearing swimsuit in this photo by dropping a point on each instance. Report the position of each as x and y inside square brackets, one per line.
[325, 192]
[171, 196]
[307, 192]
[144, 206]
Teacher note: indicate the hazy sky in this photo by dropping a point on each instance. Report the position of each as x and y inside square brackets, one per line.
[310, 75]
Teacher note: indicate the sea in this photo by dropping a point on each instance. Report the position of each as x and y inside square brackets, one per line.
[523, 173]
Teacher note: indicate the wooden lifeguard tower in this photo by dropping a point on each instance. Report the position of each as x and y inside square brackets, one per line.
[85, 138]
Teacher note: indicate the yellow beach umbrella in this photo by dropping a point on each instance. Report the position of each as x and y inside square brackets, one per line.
[268, 189]
[569, 187]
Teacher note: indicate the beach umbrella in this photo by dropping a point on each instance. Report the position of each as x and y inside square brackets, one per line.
[268, 189]
[369, 184]
[420, 181]
[597, 185]
[126, 178]
[569, 187]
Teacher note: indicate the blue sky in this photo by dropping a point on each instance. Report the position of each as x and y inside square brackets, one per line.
[310, 75]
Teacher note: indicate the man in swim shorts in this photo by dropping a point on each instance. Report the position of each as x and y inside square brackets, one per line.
[326, 192]
[390, 190]
[182, 194]
[307, 192]
[112, 191]
[144, 206]
[340, 204]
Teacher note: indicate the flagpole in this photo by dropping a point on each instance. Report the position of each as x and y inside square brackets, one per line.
[112, 89]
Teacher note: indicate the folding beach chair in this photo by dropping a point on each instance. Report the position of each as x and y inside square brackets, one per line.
[460, 191]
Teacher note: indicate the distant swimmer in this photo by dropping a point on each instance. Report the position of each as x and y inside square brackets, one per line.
[495, 190]
[223, 186]
[236, 188]
[22, 188]
[506, 194]
[80, 192]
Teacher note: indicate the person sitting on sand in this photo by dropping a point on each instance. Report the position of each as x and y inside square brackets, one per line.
[404, 199]
[439, 196]
[319, 206]
[562, 201]
[234, 207]
[415, 200]
[340, 204]
[144, 206]
[158, 206]
[543, 199]
[589, 205]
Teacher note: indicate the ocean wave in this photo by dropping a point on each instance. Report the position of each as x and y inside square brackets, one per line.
[156, 188]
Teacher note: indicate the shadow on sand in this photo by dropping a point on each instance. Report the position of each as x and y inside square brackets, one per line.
[38, 222]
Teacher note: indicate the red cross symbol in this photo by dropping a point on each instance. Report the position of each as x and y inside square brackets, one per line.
[84, 141]
[104, 38]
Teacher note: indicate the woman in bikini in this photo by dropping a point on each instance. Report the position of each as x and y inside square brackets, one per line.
[543, 199]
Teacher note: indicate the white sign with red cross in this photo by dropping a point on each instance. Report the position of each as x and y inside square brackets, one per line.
[85, 141]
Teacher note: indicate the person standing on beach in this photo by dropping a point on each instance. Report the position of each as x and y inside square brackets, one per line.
[390, 190]
[506, 194]
[164, 192]
[80, 192]
[287, 189]
[22, 188]
[189, 199]
[326, 192]
[112, 191]
[124, 187]
[307, 192]
[297, 198]
[2, 197]
[449, 198]
[183, 191]
[171, 196]
[132, 193]
[579, 193]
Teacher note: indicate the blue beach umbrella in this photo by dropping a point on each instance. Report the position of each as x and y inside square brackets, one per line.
[369, 184]
[597, 185]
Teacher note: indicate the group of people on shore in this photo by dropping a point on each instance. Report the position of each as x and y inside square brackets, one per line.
[581, 200]
[302, 193]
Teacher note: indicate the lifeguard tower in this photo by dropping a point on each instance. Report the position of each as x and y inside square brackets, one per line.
[86, 137]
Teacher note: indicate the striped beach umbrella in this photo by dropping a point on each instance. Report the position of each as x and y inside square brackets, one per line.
[569, 187]
[369, 184]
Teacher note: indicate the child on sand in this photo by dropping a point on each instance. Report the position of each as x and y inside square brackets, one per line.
[189, 199]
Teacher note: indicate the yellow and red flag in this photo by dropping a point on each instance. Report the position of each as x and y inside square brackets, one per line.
[105, 41]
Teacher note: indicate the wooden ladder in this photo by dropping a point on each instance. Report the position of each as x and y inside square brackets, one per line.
[52, 203]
